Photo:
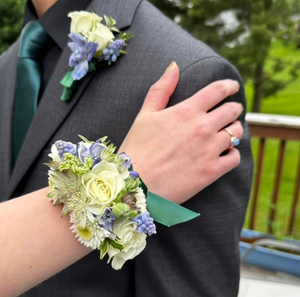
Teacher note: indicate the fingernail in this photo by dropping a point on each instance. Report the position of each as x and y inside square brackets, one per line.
[237, 83]
[171, 67]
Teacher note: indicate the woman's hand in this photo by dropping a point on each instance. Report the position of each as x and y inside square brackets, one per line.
[177, 150]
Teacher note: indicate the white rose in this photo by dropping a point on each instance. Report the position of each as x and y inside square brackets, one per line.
[83, 22]
[54, 154]
[103, 183]
[102, 35]
[133, 241]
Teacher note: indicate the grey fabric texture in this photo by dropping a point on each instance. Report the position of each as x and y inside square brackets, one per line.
[199, 258]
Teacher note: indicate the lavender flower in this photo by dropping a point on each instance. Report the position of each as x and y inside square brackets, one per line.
[82, 151]
[96, 149]
[126, 160]
[107, 220]
[145, 223]
[133, 174]
[83, 52]
[93, 151]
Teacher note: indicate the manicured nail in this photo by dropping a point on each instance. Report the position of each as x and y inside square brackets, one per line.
[237, 83]
[171, 67]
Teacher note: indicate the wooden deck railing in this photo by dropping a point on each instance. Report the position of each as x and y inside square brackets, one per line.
[283, 128]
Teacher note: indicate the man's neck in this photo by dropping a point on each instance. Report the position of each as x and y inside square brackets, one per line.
[41, 6]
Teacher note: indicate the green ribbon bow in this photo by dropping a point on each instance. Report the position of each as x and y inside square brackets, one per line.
[71, 85]
[165, 211]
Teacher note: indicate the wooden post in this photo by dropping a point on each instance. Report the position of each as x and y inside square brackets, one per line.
[260, 159]
[276, 187]
[295, 201]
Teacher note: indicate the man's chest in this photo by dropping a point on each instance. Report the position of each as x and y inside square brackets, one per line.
[107, 107]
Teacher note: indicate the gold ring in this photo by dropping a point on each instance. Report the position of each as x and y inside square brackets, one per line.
[234, 141]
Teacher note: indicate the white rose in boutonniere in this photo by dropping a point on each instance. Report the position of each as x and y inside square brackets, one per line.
[102, 35]
[83, 22]
[134, 242]
[103, 183]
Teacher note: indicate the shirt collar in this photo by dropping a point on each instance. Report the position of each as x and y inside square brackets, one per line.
[56, 21]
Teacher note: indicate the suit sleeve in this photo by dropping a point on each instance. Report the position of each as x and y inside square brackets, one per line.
[201, 257]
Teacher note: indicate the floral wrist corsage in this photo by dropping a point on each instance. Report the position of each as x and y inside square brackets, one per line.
[106, 199]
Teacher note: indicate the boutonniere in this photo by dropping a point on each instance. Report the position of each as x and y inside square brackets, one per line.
[93, 44]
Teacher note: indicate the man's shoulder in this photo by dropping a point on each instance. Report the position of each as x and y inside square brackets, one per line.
[9, 54]
[167, 38]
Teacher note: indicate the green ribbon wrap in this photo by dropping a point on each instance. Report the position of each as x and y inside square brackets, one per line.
[166, 212]
[71, 85]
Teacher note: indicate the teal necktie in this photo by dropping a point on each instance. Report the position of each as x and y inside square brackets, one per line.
[32, 42]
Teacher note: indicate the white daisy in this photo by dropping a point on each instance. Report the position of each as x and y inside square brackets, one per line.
[91, 236]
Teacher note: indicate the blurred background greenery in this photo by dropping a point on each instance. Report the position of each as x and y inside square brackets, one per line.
[262, 39]
[11, 13]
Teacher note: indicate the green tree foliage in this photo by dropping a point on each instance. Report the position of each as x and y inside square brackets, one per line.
[11, 18]
[243, 32]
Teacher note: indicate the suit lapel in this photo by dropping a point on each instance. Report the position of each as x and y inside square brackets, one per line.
[9, 82]
[52, 111]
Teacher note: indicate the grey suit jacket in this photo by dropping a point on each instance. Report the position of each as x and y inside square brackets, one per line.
[199, 258]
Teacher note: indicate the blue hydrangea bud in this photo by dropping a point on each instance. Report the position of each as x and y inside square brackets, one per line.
[145, 223]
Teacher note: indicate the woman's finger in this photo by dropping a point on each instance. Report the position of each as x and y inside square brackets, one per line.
[225, 114]
[160, 93]
[210, 96]
[223, 140]
[229, 161]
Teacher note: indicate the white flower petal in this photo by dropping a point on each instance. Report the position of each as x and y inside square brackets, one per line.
[140, 200]
[102, 35]
[103, 183]
[82, 22]
[97, 235]
[133, 241]
[54, 154]
[90, 217]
